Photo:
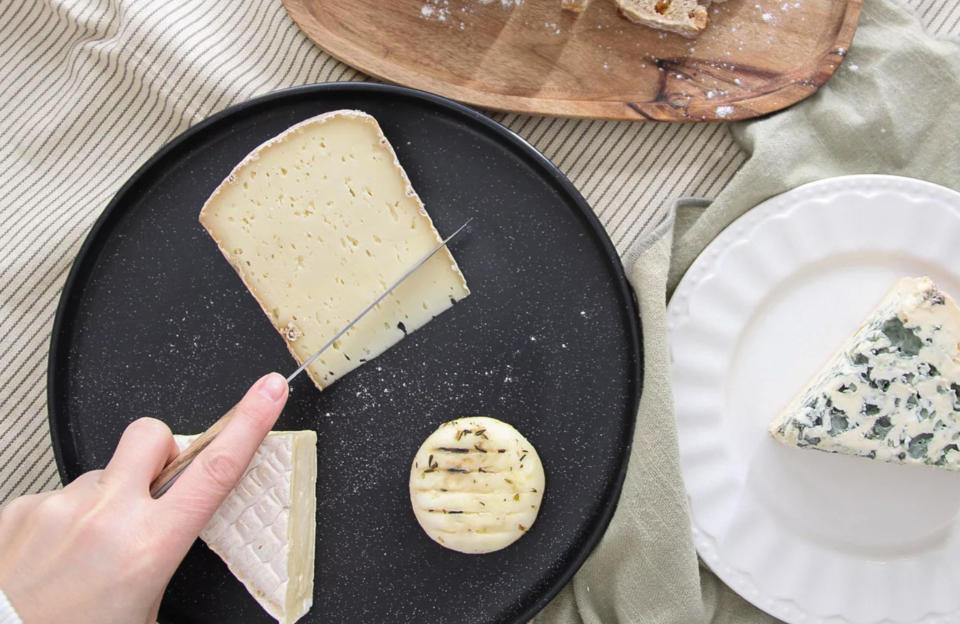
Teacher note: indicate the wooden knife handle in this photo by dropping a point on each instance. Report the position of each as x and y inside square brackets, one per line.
[169, 474]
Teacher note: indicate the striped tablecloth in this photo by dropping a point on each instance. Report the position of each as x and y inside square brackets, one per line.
[91, 88]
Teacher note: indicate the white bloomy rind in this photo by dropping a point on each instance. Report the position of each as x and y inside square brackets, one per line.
[476, 485]
[892, 391]
[318, 222]
[265, 530]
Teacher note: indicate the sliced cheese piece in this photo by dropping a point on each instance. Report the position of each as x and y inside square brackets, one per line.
[476, 485]
[266, 528]
[892, 392]
[318, 222]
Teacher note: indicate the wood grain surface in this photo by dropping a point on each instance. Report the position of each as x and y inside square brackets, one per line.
[755, 56]
[172, 471]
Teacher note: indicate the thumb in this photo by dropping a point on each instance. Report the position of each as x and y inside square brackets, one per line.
[197, 494]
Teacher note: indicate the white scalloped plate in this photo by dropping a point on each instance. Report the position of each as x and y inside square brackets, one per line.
[811, 537]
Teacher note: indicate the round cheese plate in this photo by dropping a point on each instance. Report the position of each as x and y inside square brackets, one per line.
[154, 322]
[808, 536]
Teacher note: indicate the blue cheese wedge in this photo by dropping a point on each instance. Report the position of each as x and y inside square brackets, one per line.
[318, 222]
[266, 528]
[476, 485]
[892, 392]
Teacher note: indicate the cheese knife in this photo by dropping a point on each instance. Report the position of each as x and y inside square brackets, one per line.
[175, 468]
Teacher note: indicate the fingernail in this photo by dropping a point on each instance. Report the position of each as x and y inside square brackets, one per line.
[273, 386]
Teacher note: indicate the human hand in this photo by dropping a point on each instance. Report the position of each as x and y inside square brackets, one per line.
[101, 550]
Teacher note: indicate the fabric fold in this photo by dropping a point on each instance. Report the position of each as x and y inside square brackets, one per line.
[894, 108]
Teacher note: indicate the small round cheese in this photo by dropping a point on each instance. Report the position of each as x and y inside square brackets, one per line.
[476, 485]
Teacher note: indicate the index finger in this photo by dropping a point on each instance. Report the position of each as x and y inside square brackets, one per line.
[196, 495]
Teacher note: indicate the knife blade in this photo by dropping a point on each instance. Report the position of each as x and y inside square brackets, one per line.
[376, 301]
[175, 468]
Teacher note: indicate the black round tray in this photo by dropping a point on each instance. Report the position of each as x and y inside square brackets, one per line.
[153, 322]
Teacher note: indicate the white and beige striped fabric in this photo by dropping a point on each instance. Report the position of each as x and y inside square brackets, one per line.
[91, 88]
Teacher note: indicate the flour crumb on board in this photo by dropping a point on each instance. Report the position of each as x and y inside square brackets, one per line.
[438, 10]
[442, 11]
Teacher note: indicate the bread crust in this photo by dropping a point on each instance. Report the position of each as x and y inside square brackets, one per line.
[576, 6]
[289, 334]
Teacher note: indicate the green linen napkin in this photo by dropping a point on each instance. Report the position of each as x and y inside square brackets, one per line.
[893, 107]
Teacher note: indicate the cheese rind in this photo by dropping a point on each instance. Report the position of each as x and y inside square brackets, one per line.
[265, 530]
[476, 485]
[318, 222]
[892, 392]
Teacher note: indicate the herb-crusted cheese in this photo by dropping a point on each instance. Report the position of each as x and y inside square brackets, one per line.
[476, 485]
[892, 392]
[265, 530]
[318, 222]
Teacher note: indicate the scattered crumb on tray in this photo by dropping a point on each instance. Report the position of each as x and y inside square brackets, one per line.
[724, 111]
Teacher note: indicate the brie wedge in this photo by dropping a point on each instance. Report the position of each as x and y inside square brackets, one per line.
[265, 530]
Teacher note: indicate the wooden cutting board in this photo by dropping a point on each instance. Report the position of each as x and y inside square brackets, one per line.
[755, 56]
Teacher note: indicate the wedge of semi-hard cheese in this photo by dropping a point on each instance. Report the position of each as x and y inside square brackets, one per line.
[892, 392]
[476, 485]
[266, 528]
[318, 222]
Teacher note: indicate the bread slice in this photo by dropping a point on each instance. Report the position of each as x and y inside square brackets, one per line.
[576, 6]
[684, 17]
[892, 391]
